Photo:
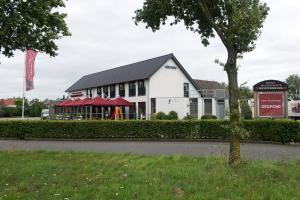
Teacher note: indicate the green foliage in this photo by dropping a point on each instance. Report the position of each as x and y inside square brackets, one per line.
[204, 117]
[173, 115]
[2, 113]
[34, 24]
[189, 117]
[31, 175]
[36, 107]
[162, 116]
[294, 86]
[237, 22]
[246, 112]
[266, 130]
[11, 112]
[245, 93]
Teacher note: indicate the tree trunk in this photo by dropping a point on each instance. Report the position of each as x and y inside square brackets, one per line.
[232, 73]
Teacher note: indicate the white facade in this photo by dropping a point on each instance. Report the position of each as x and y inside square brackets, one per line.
[165, 89]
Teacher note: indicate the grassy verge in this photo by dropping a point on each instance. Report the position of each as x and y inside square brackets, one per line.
[53, 175]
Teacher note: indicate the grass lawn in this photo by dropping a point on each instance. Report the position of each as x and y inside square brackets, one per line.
[53, 175]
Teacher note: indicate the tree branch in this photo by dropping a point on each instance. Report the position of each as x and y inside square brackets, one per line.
[212, 22]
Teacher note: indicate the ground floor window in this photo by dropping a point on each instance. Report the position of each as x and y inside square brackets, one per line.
[153, 105]
[132, 111]
[142, 110]
[207, 106]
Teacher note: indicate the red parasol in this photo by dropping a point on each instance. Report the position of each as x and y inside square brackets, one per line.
[120, 102]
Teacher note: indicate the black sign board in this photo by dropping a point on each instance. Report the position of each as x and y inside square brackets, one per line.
[270, 86]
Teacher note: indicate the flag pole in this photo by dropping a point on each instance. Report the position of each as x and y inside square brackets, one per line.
[24, 82]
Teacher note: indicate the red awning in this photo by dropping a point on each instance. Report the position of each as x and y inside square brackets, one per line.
[120, 102]
[69, 103]
[98, 101]
[77, 102]
[85, 102]
[63, 104]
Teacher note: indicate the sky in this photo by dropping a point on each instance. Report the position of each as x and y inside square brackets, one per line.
[104, 36]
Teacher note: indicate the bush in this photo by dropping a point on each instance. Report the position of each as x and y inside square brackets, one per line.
[246, 112]
[189, 117]
[162, 116]
[1, 112]
[173, 115]
[11, 112]
[209, 117]
[264, 130]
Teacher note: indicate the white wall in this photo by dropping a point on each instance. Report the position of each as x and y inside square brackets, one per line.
[168, 82]
[179, 105]
[166, 85]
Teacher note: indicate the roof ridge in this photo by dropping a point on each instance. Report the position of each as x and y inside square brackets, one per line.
[170, 55]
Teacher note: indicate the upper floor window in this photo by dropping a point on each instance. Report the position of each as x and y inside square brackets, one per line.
[122, 89]
[105, 91]
[112, 92]
[141, 88]
[186, 89]
[99, 91]
[132, 89]
[89, 93]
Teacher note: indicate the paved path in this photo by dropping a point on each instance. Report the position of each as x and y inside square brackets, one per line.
[249, 151]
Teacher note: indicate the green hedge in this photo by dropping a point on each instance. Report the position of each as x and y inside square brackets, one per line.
[265, 130]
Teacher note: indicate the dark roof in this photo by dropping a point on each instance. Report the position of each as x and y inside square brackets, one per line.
[208, 85]
[132, 72]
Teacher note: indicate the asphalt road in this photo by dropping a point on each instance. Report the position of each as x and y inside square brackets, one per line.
[248, 151]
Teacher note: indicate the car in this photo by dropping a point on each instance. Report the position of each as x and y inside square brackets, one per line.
[45, 114]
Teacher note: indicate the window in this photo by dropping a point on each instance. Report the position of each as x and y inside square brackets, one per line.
[153, 105]
[112, 91]
[105, 91]
[141, 88]
[122, 90]
[99, 91]
[132, 89]
[186, 89]
[207, 106]
[89, 93]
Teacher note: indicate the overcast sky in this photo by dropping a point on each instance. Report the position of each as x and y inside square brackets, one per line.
[104, 36]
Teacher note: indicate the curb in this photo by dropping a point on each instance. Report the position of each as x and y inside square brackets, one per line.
[147, 140]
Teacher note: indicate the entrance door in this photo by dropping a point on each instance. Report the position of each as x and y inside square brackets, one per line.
[221, 109]
[194, 108]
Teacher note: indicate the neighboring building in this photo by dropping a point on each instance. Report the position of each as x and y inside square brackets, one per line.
[7, 103]
[154, 85]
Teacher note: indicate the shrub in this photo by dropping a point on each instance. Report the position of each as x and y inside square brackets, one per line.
[246, 112]
[162, 116]
[189, 117]
[1, 112]
[209, 117]
[264, 130]
[173, 115]
[11, 112]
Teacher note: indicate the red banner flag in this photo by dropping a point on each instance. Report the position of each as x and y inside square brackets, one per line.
[30, 59]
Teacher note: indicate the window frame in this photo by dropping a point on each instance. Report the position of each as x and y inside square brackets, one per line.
[122, 91]
[141, 88]
[186, 93]
[132, 91]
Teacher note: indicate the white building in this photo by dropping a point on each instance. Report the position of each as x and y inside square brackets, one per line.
[156, 85]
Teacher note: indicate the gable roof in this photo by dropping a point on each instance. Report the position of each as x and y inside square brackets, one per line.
[132, 72]
[208, 85]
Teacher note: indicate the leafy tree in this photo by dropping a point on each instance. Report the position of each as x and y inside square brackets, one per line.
[245, 92]
[246, 112]
[34, 24]
[36, 107]
[294, 86]
[237, 23]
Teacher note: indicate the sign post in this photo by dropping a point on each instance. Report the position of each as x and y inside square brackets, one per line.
[270, 99]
